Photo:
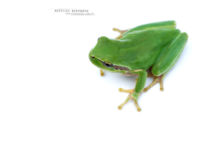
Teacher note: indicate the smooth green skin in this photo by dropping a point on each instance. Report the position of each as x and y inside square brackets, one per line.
[155, 47]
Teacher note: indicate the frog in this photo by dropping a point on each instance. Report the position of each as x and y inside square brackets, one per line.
[146, 51]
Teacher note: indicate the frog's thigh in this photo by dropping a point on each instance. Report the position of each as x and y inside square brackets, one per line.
[170, 55]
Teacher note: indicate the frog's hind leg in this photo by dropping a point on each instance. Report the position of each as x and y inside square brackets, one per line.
[167, 59]
[120, 31]
[154, 82]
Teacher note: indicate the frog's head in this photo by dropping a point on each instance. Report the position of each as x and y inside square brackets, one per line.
[104, 55]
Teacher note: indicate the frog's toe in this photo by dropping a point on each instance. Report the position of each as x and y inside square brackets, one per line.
[102, 72]
[161, 83]
[120, 31]
[126, 90]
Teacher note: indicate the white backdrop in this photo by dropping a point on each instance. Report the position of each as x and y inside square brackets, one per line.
[51, 95]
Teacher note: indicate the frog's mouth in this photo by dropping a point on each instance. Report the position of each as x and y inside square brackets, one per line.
[109, 65]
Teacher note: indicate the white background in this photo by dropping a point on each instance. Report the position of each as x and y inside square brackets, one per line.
[52, 96]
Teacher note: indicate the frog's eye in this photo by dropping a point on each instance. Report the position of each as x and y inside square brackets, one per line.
[107, 64]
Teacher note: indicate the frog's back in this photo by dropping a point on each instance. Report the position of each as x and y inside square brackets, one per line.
[140, 49]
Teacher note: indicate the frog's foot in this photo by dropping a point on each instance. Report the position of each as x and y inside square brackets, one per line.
[120, 31]
[154, 82]
[130, 97]
[102, 72]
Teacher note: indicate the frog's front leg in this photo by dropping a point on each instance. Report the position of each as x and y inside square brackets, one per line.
[120, 31]
[134, 94]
